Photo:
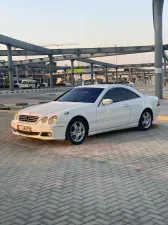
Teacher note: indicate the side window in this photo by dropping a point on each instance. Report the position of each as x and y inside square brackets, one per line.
[127, 94]
[112, 94]
[120, 94]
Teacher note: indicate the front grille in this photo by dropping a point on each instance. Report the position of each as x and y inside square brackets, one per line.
[28, 118]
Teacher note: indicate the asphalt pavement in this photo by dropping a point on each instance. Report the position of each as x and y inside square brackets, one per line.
[29, 97]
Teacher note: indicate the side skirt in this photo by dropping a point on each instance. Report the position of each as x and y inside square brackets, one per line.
[113, 128]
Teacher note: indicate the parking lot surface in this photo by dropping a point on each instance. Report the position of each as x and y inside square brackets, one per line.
[114, 178]
[28, 97]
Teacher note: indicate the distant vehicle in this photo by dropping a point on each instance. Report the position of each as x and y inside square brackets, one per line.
[67, 84]
[87, 82]
[30, 84]
[17, 85]
[131, 84]
[85, 111]
[44, 85]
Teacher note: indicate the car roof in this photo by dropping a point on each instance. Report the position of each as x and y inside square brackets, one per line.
[109, 86]
[104, 86]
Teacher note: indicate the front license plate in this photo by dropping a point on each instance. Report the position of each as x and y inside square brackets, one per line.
[24, 128]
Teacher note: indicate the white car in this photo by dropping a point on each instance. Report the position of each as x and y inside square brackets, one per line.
[85, 111]
[131, 84]
[67, 84]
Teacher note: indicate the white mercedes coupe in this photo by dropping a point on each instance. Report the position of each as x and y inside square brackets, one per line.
[87, 110]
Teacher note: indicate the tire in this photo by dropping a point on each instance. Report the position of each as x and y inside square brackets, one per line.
[146, 120]
[76, 131]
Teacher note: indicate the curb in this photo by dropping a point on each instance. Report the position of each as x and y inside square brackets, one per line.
[34, 90]
[5, 108]
[28, 103]
[19, 105]
[8, 111]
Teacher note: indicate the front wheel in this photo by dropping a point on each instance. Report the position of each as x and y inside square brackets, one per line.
[76, 131]
[145, 121]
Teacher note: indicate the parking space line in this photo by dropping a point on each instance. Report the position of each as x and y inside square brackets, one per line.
[162, 118]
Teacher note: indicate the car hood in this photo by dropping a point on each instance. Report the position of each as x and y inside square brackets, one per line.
[51, 108]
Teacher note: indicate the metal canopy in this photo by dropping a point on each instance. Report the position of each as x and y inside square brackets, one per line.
[38, 50]
[55, 58]
[91, 61]
[24, 45]
[137, 65]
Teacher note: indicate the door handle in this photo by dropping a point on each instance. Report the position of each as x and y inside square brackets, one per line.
[126, 105]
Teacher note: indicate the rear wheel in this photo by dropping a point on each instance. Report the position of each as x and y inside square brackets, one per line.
[145, 121]
[76, 131]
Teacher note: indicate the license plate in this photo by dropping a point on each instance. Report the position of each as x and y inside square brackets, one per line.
[24, 128]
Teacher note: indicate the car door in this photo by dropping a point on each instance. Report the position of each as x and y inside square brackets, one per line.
[136, 104]
[113, 115]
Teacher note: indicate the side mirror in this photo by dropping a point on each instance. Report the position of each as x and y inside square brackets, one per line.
[107, 101]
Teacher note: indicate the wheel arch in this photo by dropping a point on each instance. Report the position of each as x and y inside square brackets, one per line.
[81, 117]
[149, 110]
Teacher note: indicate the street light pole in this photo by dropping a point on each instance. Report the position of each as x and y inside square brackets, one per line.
[157, 21]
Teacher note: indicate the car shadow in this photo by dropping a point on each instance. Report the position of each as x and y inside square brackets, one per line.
[120, 136]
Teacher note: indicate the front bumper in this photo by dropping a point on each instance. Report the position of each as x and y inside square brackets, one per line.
[40, 131]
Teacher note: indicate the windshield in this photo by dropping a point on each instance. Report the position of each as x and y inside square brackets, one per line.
[25, 82]
[87, 95]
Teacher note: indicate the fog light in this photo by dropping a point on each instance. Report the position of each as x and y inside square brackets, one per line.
[46, 134]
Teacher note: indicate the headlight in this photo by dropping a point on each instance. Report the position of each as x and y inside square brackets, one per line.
[16, 116]
[44, 119]
[52, 120]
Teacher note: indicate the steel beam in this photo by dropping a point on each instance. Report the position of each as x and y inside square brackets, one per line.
[76, 67]
[24, 45]
[72, 73]
[38, 50]
[157, 20]
[165, 72]
[116, 76]
[130, 70]
[110, 65]
[51, 70]
[115, 50]
[137, 65]
[10, 68]
[44, 75]
[106, 75]
[92, 82]
[17, 73]
[34, 65]
[65, 75]
[56, 58]
[165, 56]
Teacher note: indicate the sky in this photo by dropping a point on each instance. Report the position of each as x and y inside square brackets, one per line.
[89, 23]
